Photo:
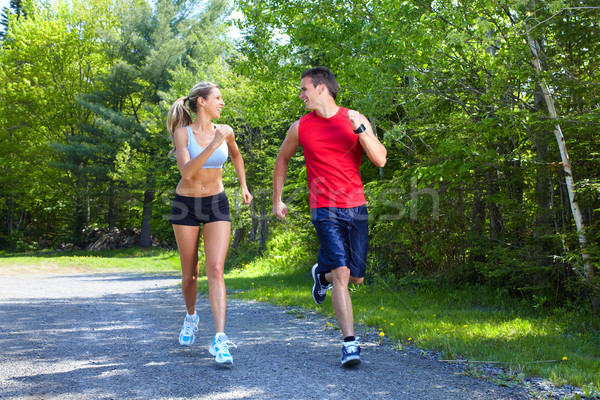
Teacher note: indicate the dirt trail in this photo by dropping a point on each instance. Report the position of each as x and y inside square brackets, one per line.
[93, 336]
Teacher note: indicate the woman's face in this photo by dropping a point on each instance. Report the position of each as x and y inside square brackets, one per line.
[213, 104]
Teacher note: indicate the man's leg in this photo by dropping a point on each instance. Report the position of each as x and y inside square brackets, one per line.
[344, 302]
[340, 297]
[342, 305]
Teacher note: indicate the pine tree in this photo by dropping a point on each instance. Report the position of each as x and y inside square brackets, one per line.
[15, 8]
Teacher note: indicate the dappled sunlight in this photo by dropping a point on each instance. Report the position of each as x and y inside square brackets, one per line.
[538, 345]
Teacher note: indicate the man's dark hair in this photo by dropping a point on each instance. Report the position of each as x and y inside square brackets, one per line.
[323, 75]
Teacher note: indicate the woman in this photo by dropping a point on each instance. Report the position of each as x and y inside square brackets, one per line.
[200, 200]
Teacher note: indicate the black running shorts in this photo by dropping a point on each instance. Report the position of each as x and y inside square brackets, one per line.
[194, 211]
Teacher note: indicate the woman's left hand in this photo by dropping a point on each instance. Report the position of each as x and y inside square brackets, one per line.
[246, 196]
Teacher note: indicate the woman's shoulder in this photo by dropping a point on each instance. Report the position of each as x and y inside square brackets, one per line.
[181, 130]
[181, 133]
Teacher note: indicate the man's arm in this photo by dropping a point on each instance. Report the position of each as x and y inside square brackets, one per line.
[376, 151]
[288, 148]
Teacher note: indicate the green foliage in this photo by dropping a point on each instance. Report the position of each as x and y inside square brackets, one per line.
[43, 60]
[85, 97]
[292, 246]
[473, 190]
[451, 90]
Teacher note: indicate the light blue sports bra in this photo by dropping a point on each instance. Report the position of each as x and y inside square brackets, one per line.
[216, 159]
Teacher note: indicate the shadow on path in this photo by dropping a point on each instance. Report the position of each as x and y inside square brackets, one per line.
[115, 337]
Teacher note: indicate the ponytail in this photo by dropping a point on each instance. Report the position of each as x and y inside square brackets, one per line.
[179, 115]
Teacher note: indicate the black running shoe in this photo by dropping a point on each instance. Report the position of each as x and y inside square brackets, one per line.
[319, 291]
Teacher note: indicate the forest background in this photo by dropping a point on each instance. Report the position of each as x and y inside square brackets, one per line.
[489, 111]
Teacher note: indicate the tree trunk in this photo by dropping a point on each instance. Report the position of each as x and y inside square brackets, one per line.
[9, 215]
[543, 180]
[111, 207]
[238, 236]
[146, 230]
[588, 271]
[496, 219]
[79, 217]
[263, 231]
[477, 225]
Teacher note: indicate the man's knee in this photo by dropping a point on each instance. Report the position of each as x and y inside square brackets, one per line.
[341, 274]
[356, 281]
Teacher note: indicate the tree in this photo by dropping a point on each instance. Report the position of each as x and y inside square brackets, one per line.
[452, 89]
[588, 269]
[15, 8]
[150, 43]
[47, 58]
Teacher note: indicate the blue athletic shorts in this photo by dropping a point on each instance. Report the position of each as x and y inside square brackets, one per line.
[194, 211]
[343, 238]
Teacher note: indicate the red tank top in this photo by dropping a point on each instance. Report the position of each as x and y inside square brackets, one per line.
[332, 153]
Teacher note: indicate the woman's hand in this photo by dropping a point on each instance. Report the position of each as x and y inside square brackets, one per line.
[222, 134]
[246, 196]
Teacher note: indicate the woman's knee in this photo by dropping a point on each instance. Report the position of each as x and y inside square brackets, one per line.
[189, 279]
[215, 271]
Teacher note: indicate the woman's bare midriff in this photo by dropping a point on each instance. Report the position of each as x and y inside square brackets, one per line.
[207, 182]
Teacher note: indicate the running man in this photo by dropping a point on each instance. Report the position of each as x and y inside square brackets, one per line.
[333, 139]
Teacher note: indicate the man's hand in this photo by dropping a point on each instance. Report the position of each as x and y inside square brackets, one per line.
[355, 118]
[280, 210]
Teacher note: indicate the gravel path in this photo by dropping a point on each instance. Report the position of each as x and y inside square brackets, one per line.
[115, 337]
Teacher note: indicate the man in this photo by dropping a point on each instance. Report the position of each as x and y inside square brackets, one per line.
[333, 139]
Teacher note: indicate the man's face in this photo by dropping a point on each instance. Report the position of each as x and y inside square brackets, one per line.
[308, 93]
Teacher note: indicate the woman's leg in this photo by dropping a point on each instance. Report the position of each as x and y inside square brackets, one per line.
[187, 238]
[216, 243]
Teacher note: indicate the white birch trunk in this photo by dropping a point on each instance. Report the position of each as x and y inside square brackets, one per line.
[587, 266]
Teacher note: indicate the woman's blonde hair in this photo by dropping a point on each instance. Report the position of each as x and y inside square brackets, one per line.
[180, 114]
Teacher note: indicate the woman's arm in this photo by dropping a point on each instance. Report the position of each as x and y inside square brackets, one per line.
[238, 164]
[188, 166]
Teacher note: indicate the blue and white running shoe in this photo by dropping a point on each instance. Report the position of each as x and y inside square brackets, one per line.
[220, 349]
[190, 327]
[351, 354]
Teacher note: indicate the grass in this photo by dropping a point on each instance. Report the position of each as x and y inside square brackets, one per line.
[131, 259]
[467, 324]
[462, 325]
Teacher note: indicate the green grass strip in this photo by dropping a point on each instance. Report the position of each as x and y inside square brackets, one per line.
[131, 259]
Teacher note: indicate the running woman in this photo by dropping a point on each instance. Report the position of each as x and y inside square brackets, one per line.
[333, 139]
[200, 201]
